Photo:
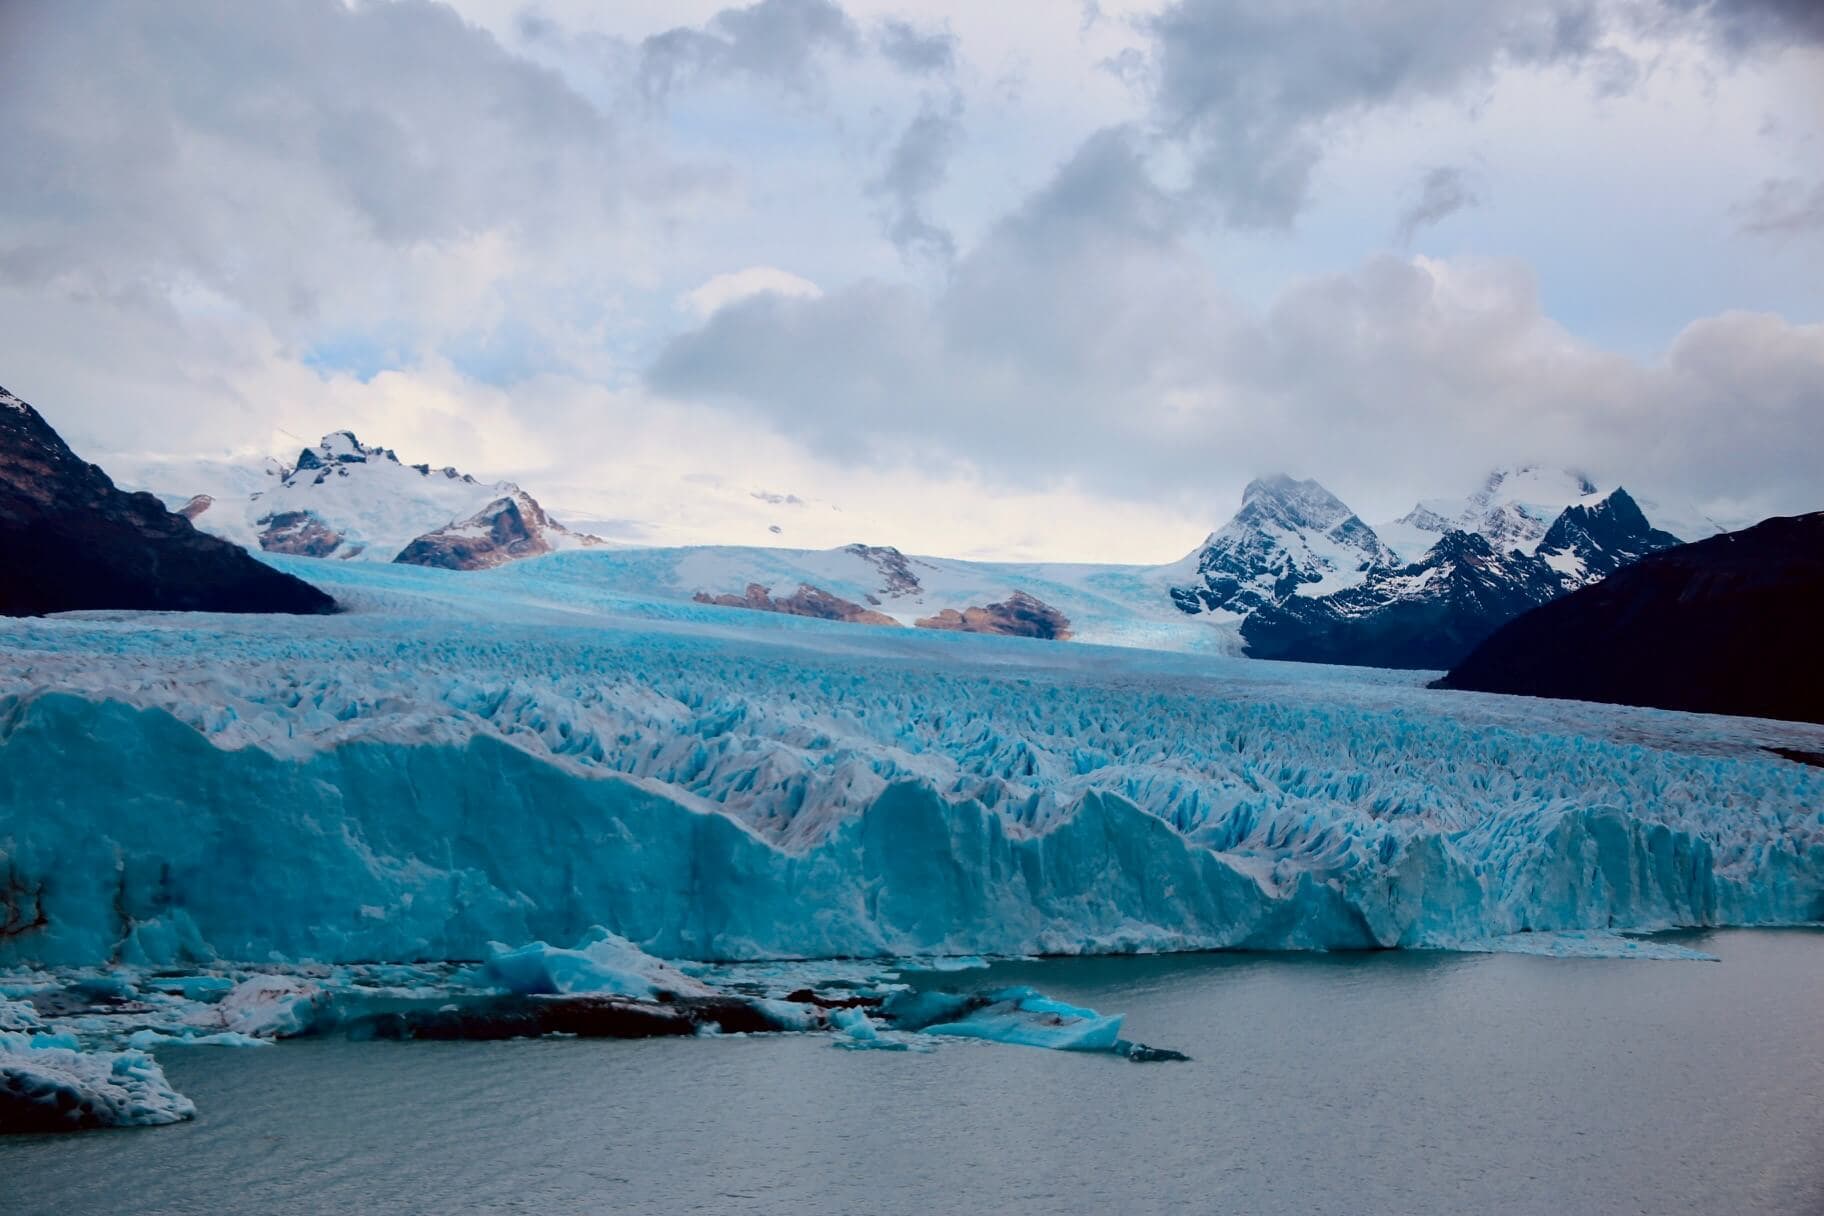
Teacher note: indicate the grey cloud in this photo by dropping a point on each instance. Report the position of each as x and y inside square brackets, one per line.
[775, 41]
[1443, 191]
[921, 52]
[1253, 90]
[1078, 305]
[1783, 206]
[261, 149]
[917, 165]
[1080, 343]
[1747, 25]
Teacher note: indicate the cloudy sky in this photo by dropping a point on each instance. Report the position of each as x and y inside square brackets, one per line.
[1031, 279]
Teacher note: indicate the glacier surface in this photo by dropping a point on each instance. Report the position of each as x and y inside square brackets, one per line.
[519, 755]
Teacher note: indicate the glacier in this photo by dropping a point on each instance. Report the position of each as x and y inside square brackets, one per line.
[521, 755]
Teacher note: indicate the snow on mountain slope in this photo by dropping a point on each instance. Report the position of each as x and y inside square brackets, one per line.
[1511, 509]
[1432, 612]
[340, 498]
[1289, 537]
[367, 503]
[1591, 541]
[1111, 605]
[1740, 612]
[1689, 522]
[518, 754]
[1425, 615]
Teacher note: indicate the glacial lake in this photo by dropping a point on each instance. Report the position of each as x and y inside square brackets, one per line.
[1371, 1083]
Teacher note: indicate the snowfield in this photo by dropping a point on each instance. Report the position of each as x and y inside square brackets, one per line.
[520, 754]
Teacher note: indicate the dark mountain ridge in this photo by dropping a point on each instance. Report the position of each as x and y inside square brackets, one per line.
[1431, 613]
[1732, 625]
[70, 539]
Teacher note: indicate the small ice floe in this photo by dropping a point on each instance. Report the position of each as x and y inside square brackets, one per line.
[1020, 1016]
[858, 1031]
[602, 963]
[1583, 943]
[268, 1006]
[48, 1084]
[18, 1015]
[150, 1040]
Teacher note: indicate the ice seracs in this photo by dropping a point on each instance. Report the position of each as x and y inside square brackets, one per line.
[499, 757]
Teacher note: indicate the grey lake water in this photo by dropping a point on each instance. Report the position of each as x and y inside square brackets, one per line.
[1374, 1083]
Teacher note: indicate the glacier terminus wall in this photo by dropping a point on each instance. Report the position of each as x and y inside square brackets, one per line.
[466, 758]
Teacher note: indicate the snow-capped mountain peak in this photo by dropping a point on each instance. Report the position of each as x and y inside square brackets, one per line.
[1512, 508]
[339, 449]
[339, 498]
[1433, 611]
[1591, 541]
[1533, 484]
[1289, 537]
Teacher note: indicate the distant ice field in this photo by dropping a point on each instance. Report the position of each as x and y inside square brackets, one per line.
[522, 753]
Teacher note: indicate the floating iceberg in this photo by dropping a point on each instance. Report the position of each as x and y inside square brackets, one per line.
[603, 963]
[860, 1032]
[1020, 1016]
[47, 1084]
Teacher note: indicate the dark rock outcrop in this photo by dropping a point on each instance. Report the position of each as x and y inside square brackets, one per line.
[70, 539]
[584, 1016]
[897, 577]
[1018, 616]
[806, 601]
[505, 530]
[300, 534]
[1728, 625]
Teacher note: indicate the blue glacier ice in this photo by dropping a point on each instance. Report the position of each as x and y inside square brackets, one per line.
[1019, 1016]
[602, 963]
[860, 1032]
[465, 759]
[47, 1083]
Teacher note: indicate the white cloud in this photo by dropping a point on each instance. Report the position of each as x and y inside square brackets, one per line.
[725, 289]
